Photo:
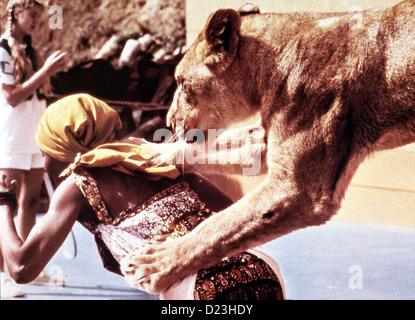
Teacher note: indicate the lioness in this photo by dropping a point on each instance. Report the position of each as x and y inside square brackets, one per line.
[330, 92]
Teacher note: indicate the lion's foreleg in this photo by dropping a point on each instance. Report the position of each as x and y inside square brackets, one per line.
[284, 202]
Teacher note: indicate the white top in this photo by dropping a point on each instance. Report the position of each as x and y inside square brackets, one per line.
[18, 125]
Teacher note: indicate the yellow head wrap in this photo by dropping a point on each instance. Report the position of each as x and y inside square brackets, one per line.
[76, 124]
[82, 124]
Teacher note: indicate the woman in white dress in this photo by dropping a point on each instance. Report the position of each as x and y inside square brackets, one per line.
[23, 83]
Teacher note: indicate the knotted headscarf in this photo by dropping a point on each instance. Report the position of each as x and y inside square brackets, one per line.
[83, 128]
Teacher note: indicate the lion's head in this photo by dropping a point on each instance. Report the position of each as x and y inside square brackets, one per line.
[210, 78]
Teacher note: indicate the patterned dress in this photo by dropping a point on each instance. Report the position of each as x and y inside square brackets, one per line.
[169, 214]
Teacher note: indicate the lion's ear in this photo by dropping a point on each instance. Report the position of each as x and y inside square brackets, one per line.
[222, 35]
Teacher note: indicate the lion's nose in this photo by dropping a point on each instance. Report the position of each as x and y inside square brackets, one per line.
[170, 119]
[175, 117]
[174, 122]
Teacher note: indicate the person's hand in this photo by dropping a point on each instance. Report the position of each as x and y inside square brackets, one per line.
[7, 193]
[4, 185]
[55, 62]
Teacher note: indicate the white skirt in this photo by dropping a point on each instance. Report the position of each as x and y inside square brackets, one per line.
[21, 161]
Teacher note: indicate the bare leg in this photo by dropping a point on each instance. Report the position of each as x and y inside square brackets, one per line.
[28, 199]
[8, 287]
[12, 174]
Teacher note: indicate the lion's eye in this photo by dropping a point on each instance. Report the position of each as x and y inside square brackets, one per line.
[189, 95]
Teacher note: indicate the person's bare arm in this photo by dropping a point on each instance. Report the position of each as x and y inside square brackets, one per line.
[26, 259]
[15, 94]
